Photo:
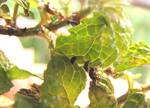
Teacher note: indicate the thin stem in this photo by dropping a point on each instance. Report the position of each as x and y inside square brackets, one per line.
[146, 88]
[15, 13]
[15, 31]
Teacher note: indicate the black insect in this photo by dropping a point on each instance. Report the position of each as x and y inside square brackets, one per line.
[93, 74]
[108, 71]
[73, 22]
[73, 59]
[86, 66]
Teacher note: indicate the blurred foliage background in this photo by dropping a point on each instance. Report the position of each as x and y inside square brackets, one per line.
[139, 18]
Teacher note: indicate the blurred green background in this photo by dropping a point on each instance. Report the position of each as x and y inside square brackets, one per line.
[140, 19]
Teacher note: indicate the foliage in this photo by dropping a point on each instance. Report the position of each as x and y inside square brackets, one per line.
[98, 45]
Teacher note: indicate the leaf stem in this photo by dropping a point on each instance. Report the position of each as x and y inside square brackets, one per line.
[15, 13]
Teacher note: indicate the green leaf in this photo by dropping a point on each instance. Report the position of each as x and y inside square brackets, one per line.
[92, 40]
[135, 100]
[5, 83]
[13, 71]
[23, 101]
[63, 81]
[121, 27]
[101, 95]
[23, 3]
[122, 36]
[5, 8]
[148, 103]
[137, 55]
[17, 73]
[4, 11]
[4, 62]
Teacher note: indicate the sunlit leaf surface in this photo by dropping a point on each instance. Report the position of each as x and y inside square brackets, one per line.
[137, 55]
[63, 82]
[92, 39]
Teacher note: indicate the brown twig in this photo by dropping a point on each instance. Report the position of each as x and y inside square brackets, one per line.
[141, 3]
[19, 32]
[122, 98]
[38, 29]
[146, 88]
[76, 16]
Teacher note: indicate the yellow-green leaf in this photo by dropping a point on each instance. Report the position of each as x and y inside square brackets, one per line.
[5, 83]
[92, 40]
[63, 81]
[137, 55]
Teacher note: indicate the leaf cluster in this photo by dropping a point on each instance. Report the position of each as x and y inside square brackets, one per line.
[99, 47]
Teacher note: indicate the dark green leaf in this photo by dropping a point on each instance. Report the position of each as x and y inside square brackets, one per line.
[63, 82]
[92, 40]
[137, 55]
[101, 95]
[23, 3]
[22, 101]
[4, 11]
[5, 8]
[5, 83]
[135, 100]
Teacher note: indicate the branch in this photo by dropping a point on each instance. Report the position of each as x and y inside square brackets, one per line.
[20, 32]
[38, 29]
[141, 3]
[75, 18]
[122, 98]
